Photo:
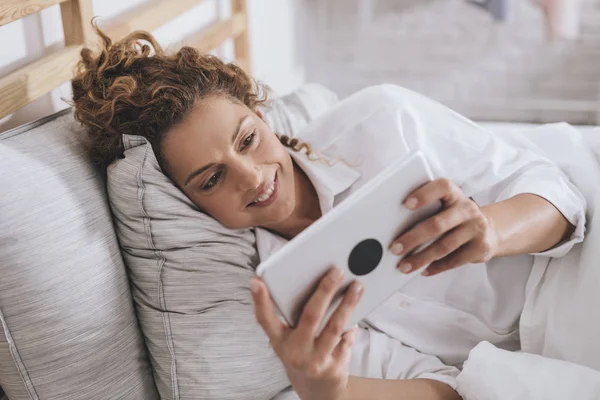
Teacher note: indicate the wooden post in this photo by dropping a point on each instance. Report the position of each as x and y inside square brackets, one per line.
[241, 43]
[77, 21]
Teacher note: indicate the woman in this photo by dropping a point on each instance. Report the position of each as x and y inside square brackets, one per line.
[502, 206]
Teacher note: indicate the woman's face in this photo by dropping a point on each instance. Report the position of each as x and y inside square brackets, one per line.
[231, 165]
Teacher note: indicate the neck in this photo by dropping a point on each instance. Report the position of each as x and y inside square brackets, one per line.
[306, 211]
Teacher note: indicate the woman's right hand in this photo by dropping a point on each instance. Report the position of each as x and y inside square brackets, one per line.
[317, 365]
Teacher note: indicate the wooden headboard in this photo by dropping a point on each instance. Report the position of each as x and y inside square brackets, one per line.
[40, 77]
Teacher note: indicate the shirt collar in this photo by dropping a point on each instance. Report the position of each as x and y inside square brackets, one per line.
[329, 177]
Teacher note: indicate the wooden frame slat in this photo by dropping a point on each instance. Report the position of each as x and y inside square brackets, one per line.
[12, 10]
[40, 77]
[150, 16]
[218, 32]
[76, 18]
[241, 43]
[36, 79]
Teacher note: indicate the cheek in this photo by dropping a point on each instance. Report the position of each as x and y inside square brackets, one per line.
[217, 205]
[224, 208]
[272, 149]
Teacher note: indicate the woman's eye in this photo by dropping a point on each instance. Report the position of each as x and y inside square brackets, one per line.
[249, 140]
[212, 181]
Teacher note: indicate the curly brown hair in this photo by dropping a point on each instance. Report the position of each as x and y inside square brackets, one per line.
[135, 87]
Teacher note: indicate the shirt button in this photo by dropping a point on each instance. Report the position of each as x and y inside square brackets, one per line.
[405, 304]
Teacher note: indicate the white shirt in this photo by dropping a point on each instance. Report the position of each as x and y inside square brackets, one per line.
[448, 314]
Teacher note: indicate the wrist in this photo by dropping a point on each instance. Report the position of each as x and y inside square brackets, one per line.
[496, 238]
[346, 395]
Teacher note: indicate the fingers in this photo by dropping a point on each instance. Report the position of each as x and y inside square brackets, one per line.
[317, 305]
[333, 364]
[343, 351]
[265, 312]
[428, 230]
[456, 259]
[440, 189]
[330, 336]
[439, 249]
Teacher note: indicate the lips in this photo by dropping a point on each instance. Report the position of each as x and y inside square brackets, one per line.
[267, 194]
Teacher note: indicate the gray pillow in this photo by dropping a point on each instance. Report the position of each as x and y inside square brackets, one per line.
[68, 325]
[190, 275]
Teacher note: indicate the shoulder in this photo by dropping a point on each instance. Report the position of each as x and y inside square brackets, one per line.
[389, 92]
[365, 105]
[366, 101]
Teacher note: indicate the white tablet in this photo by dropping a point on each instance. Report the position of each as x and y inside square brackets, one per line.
[354, 236]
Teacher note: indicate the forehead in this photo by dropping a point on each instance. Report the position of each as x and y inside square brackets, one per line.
[209, 124]
[203, 135]
[210, 115]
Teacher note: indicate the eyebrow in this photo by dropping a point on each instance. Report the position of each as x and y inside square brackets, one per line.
[200, 170]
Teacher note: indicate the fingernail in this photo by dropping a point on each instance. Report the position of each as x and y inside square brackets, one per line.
[254, 286]
[410, 203]
[357, 288]
[337, 274]
[397, 248]
[405, 267]
[425, 273]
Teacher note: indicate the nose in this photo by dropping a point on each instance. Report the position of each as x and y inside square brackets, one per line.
[249, 176]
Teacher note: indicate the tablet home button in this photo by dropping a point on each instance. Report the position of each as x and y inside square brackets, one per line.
[365, 257]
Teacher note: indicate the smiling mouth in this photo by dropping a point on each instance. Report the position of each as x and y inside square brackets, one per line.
[268, 196]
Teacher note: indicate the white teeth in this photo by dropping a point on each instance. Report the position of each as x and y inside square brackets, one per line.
[267, 194]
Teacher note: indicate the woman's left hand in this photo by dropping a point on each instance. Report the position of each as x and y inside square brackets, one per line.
[464, 233]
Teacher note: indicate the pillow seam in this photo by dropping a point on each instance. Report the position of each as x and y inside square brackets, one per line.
[161, 262]
[14, 352]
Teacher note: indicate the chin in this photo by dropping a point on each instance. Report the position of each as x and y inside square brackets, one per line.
[235, 226]
[286, 209]
[277, 216]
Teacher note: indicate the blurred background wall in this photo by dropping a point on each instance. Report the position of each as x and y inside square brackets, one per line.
[490, 69]
[458, 53]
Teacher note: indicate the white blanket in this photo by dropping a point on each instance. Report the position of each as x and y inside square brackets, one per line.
[561, 321]
[494, 374]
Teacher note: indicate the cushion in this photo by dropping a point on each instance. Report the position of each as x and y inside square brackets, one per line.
[69, 329]
[190, 274]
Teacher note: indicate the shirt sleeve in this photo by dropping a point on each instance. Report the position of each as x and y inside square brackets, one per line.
[485, 165]
[380, 356]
